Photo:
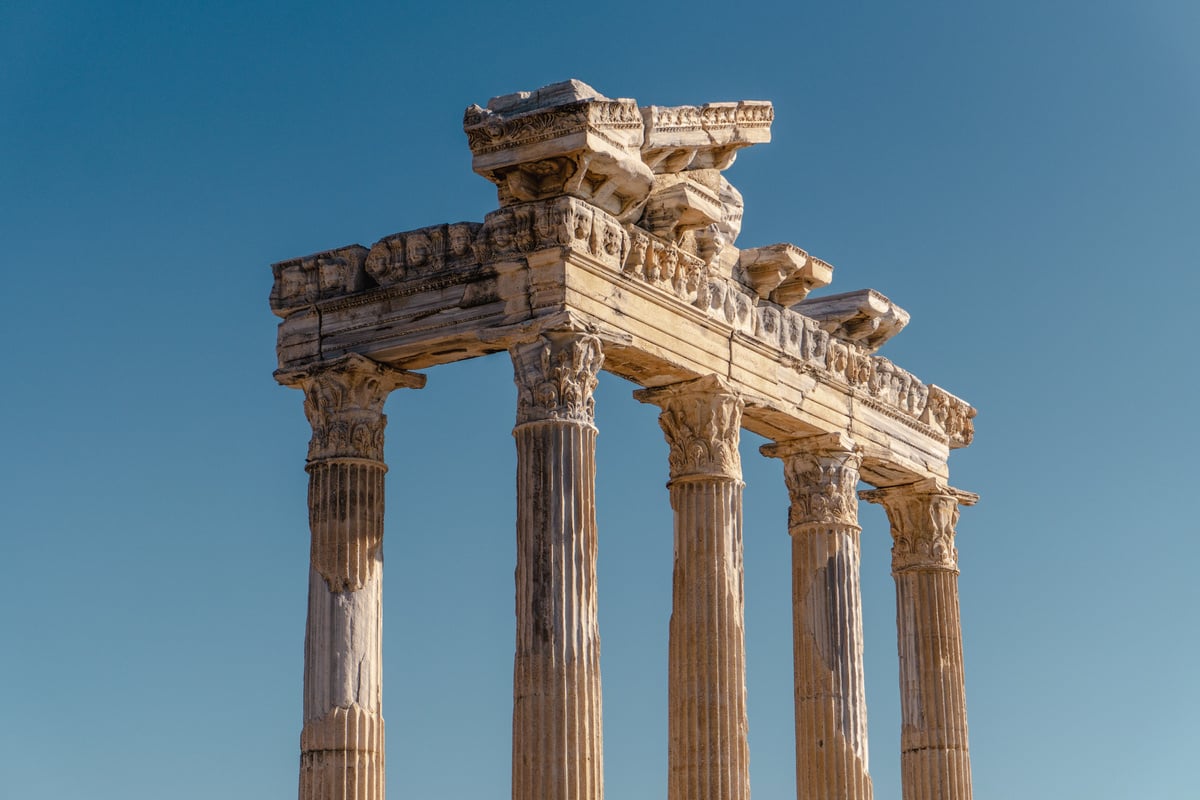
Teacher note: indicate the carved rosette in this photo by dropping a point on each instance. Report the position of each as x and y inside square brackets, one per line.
[556, 376]
[701, 420]
[343, 400]
[923, 516]
[822, 479]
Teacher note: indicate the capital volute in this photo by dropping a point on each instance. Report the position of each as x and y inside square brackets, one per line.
[701, 420]
[821, 473]
[343, 401]
[556, 375]
[923, 516]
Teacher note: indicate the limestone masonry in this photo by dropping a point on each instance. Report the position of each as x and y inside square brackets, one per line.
[613, 248]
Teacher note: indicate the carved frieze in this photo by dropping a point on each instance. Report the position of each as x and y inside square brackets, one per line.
[731, 303]
[300, 282]
[343, 401]
[821, 473]
[701, 420]
[556, 377]
[423, 252]
[952, 414]
[665, 266]
[923, 516]
[518, 230]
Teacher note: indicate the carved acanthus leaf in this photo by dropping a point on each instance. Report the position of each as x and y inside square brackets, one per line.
[702, 421]
[556, 376]
[923, 517]
[343, 400]
[821, 473]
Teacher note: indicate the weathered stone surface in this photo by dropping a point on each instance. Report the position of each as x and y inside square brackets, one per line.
[935, 760]
[865, 317]
[784, 272]
[614, 246]
[563, 139]
[301, 282]
[681, 138]
[831, 710]
[708, 756]
[342, 743]
[557, 750]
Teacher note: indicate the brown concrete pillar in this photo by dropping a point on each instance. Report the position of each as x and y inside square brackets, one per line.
[708, 758]
[342, 743]
[557, 740]
[935, 761]
[827, 639]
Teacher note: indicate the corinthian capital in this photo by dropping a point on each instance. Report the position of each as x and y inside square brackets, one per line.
[701, 420]
[923, 516]
[556, 376]
[343, 400]
[822, 477]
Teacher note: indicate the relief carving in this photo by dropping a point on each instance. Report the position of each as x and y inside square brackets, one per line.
[923, 517]
[564, 139]
[821, 473]
[953, 415]
[556, 376]
[518, 230]
[702, 421]
[301, 282]
[343, 401]
[422, 252]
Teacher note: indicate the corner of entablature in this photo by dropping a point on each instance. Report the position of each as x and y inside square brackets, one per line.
[304, 281]
[926, 487]
[836, 442]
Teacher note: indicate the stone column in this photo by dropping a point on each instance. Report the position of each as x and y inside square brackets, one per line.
[557, 743]
[827, 638]
[342, 743]
[708, 758]
[935, 762]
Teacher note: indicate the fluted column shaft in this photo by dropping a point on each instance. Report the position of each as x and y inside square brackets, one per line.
[935, 760]
[557, 739]
[827, 639]
[342, 743]
[708, 757]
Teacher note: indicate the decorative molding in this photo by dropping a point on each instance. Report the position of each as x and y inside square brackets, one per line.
[343, 400]
[865, 317]
[665, 266]
[515, 231]
[564, 139]
[951, 414]
[923, 516]
[301, 282]
[821, 473]
[702, 421]
[556, 376]
[423, 252]
[683, 138]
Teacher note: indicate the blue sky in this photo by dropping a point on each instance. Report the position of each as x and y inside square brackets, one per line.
[1022, 177]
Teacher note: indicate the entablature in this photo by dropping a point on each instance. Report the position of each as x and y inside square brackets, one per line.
[654, 273]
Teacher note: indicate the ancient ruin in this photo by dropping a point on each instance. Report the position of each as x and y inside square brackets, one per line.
[614, 247]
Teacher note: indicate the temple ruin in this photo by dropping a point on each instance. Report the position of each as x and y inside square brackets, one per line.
[613, 248]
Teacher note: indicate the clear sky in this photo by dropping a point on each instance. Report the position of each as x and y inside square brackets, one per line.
[1021, 176]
